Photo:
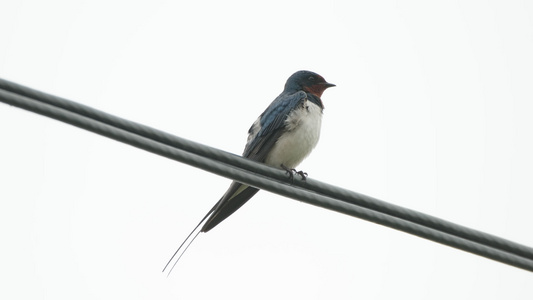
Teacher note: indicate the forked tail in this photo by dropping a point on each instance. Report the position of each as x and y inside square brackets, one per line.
[188, 241]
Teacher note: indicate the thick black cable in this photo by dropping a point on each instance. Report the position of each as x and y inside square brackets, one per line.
[264, 183]
[319, 187]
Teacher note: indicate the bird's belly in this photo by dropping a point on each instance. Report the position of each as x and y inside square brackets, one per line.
[301, 136]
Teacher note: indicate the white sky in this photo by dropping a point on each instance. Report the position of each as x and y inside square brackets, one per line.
[432, 111]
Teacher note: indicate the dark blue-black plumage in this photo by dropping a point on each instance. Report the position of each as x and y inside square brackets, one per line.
[282, 136]
[301, 86]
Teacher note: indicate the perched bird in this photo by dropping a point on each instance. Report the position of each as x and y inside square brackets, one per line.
[282, 136]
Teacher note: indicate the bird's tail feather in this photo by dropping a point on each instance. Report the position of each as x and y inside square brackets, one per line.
[188, 241]
[233, 199]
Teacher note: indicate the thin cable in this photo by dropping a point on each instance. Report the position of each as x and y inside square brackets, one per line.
[319, 187]
[270, 184]
[228, 158]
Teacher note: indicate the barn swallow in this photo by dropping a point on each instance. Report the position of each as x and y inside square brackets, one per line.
[281, 137]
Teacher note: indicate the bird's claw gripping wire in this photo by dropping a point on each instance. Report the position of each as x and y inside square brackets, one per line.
[292, 171]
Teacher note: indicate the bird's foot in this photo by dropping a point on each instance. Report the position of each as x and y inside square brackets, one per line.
[302, 174]
[292, 171]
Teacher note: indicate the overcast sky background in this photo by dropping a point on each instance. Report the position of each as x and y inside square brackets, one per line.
[432, 111]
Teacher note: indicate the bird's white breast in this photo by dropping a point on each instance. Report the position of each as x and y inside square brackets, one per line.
[301, 136]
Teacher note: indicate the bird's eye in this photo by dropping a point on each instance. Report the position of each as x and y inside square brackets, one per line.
[311, 78]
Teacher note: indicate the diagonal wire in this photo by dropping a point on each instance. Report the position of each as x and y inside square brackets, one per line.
[261, 176]
[326, 189]
[320, 187]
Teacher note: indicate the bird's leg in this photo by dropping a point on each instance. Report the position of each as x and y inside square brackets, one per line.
[292, 171]
[289, 171]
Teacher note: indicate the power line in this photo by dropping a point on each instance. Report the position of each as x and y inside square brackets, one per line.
[267, 178]
[225, 157]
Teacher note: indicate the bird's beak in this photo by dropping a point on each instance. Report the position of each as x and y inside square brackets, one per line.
[328, 85]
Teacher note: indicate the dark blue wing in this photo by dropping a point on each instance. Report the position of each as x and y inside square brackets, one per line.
[272, 124]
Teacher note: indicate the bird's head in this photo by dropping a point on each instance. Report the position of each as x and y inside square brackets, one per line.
[307, 81]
